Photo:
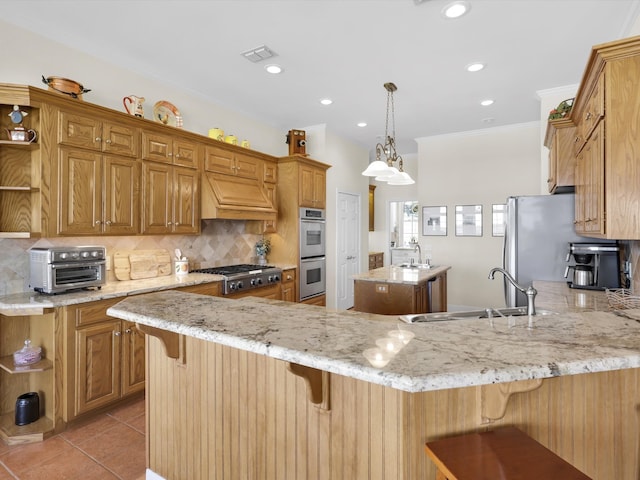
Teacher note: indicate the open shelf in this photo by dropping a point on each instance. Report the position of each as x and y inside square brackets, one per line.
[6, 364]
[16, 144]
[12, 434]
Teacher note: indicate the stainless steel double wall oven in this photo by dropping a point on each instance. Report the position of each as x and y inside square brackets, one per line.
[312, 253]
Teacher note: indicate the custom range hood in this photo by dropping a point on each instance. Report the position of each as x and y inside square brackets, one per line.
[235, 198]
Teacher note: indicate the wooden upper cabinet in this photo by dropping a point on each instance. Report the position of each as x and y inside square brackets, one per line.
[593, 112]
[169, 149]
[224, 161]
[312, 188]
[608, 168]
[560, 140]
[171, 199]
[96, 134]
[99, 194]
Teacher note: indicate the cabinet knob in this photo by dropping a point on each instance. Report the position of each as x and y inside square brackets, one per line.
[108, 141]
[128, 330]
[108, 222]
[289, 277]
[169, 154]
[98, 139]
[587, 116]
[117, 334]
[169, 223]
[98, 222]
[177, 224]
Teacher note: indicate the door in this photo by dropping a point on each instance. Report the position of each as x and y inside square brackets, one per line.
[133, 362]
[348, 247]
[97, 366]
[157, 198]
[122, 196]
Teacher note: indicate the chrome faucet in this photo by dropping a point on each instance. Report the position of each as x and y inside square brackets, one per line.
[530, 292]
[417, 249]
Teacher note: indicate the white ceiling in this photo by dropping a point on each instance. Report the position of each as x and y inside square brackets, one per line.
[345, 50]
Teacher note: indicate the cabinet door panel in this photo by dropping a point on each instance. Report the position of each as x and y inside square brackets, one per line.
[156, 147]
[248, 167]
[219, 160]
[80, 206]
[133, 370]
[79, 131]
[157, 191]
[97, 376]
[186, 197]
[186, 154]
[122, 196]
[120, 139]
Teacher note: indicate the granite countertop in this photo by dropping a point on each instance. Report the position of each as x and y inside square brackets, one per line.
[442, 355]
[33, 303]
[395, 274]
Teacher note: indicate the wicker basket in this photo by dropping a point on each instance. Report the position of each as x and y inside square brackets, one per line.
[622, 299]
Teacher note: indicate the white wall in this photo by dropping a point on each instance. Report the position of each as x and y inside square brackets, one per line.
[482, 167]
[110, 83]
[347, 162]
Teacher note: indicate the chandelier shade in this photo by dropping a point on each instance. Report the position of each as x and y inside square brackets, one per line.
[383, 168]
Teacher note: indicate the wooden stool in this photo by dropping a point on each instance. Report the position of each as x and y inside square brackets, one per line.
[505, 454]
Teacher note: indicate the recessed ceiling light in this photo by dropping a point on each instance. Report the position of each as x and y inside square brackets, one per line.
[455, 9]
[273, 68]
[474, 67]
[326, 101]
[362, 124]
[486, 103]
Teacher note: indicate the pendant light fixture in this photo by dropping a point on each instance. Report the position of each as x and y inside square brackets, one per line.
[386, 170]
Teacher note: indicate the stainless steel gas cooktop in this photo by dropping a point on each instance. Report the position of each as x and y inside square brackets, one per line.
[244, 276]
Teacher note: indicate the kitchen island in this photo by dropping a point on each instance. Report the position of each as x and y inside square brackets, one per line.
[396, 290]
[263, 389]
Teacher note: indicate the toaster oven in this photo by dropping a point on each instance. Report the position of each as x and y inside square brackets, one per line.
[60, 269]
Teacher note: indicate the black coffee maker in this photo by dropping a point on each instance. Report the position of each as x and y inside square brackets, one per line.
[596, 265]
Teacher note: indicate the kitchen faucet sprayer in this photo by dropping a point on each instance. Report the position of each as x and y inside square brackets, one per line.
[530, 292]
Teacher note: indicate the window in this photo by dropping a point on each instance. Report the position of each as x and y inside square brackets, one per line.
[403, 221]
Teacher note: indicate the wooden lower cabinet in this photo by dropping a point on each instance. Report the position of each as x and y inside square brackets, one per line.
[401, 299]
[289, 285]
[234, 414]
[376, 260]
[105, 358]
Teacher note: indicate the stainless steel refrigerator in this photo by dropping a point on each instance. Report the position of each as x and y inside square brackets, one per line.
[538, 230]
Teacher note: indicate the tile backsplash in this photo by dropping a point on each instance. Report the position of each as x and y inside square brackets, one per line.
[222, 242]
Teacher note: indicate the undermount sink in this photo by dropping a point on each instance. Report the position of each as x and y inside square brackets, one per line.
[421, 266]
[467, 314]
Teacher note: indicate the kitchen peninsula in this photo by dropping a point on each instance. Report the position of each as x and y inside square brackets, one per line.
[397, 290]
[256, 388]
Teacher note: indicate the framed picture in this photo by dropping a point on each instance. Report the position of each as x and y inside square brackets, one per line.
[469, 220]
[498, 219]
[434, 221]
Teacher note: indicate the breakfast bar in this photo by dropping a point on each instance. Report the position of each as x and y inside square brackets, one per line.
[258, 388]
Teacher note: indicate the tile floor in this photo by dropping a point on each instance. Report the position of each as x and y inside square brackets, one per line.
[107, 446]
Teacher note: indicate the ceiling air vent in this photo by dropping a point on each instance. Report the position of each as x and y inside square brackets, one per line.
[258, 54]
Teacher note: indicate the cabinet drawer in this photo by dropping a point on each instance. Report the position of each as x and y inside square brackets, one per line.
[90, 313]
